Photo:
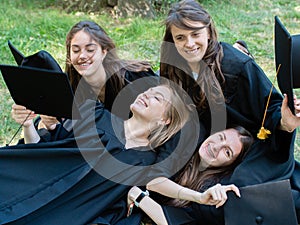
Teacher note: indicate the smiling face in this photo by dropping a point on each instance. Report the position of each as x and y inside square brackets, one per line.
[152, 104]
[220, 149]
[87, 56]
[191, 44]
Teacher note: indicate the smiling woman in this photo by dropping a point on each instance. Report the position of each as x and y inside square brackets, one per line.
[220, 149]
[157, 115]
[198, 182]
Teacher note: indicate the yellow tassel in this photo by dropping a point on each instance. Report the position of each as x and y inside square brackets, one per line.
[263, 133]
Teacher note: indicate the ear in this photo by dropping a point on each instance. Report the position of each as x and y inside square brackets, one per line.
[104, 53]
[167, 121]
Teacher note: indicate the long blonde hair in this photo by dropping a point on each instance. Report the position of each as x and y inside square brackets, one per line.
[178, 113]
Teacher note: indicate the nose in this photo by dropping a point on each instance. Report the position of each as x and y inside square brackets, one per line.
[217, 147]
[83, 54]
[146, 94]
[189, 42]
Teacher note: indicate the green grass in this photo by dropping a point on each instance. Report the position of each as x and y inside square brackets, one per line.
[35, 25]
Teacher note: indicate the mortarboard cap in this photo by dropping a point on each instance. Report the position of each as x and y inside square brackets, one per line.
[41, 59]
[16, 53]
[287, 54]
[43, 91]
[262, 204]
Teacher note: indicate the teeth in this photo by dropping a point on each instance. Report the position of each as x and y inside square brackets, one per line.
[191, 51]
[143, 102]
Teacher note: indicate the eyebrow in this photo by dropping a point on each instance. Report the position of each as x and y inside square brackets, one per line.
[224, 136]
[158, 92]
[230, 149]
[88, 45]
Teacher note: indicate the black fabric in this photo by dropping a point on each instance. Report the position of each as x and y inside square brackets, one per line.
[287, 55]
[18, 56]
[267, 203]
[41, 59]
[246, 92]
[42, 98]
[47, 184]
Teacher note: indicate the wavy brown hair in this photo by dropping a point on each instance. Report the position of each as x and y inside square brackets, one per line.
[191, 176]
[176, 68]
[115, 67]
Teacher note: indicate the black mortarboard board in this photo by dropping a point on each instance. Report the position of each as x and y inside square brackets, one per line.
[43, 91]
[287, 53]
[265, 204]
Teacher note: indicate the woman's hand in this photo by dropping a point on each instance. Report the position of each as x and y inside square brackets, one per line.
[48, 122]
[216, 195]
[22, 115]
[289, 122]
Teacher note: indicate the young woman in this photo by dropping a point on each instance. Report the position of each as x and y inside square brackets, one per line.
[51, 183]
[228, 87]
[92, 55]
[198, 182]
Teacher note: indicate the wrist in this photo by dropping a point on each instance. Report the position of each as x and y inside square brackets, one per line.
[140, 197]
[284, 126]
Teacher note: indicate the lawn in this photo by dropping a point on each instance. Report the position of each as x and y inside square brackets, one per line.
[34, 25]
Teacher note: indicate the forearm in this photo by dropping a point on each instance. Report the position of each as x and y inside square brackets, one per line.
[153, 210]
[30, 134]
[286, 127]
[138, 198]
[170, 189]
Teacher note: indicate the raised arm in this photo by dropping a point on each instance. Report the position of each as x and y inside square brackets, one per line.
[215, 195]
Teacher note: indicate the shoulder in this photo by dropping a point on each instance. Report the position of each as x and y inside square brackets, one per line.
[133, 75]
[236, 64]
[233, 60]
[142, 80]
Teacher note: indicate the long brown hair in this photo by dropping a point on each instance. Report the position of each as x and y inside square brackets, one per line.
[193, 178]
[175, 67]
[115, 67]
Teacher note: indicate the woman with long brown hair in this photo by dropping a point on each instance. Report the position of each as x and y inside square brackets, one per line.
[198, 182]
[229, 87]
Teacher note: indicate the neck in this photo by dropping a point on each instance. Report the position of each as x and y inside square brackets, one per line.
[195, 67]
[136, 133]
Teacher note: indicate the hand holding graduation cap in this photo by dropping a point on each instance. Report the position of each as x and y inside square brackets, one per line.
[289, 122]
[287, 56]
[25, 117]
[22, 115]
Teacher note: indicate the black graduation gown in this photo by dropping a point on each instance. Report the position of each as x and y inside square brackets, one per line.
[45, 183]
[246, 93]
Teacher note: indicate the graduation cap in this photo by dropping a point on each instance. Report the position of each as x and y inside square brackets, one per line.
[287, 54]
[16, 53]
[41, 59]
[39, 84]
[43, 91]
[262, 204]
